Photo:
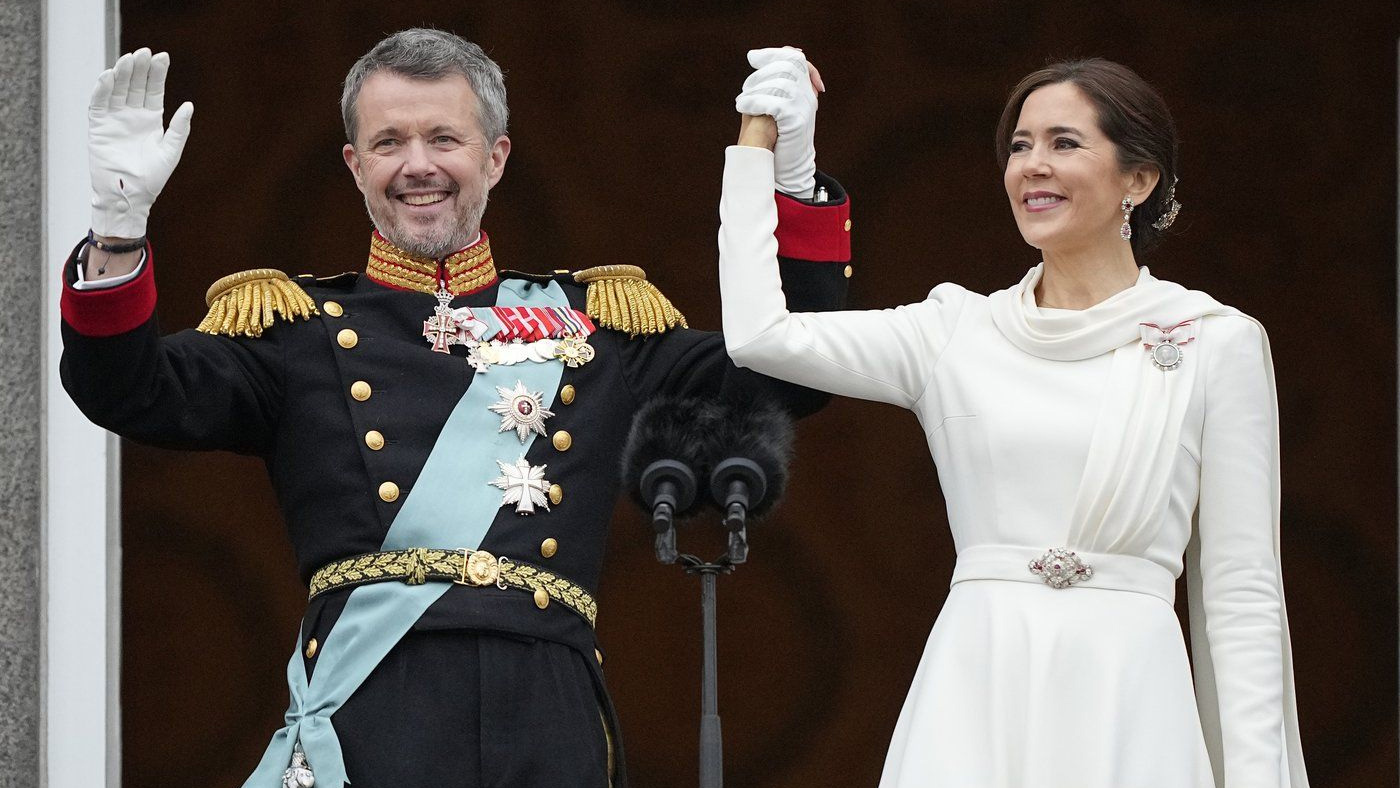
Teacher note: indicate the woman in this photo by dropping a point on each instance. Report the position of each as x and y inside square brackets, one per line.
[1091, 409]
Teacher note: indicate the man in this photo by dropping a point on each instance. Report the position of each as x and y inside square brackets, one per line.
[443, 437]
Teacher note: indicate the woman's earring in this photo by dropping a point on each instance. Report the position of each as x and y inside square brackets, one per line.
[1126, 231]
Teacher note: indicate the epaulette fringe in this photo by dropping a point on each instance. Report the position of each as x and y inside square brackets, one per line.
[245, 303]
[621, 298]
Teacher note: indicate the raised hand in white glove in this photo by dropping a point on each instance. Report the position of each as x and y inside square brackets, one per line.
[783, 88]
[130, 153]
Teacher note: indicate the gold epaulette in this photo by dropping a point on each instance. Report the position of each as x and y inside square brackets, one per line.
[621, 298]
[247, 302]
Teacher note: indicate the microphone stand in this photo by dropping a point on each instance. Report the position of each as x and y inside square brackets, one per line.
[711, 748]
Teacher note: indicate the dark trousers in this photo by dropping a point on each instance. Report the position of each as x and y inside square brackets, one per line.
[461, 709]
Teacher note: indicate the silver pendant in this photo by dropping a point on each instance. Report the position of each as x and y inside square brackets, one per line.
[298, 775]
[521, 410]
[1167, 356]
[524, 485]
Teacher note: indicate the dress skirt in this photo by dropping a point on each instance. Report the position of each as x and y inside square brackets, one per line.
[1022, 685]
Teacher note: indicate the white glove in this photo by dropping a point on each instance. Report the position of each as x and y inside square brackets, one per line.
[781, 87]
[130, 154]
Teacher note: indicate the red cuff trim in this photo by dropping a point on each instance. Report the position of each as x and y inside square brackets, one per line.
[814, 232]
[113, 310]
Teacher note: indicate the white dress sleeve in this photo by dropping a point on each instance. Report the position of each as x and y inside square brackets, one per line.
[885, 355]
[1240, 579]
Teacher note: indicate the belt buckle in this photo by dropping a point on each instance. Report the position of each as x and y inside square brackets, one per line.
[479, 568]
[1060, 568]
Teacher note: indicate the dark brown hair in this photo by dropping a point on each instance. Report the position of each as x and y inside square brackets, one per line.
[1131, 113]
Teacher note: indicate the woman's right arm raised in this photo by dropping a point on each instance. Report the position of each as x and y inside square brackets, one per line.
[882, 355]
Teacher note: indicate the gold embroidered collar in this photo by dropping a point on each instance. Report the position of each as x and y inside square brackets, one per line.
[465, 271]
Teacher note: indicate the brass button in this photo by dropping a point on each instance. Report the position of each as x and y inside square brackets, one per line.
[556, 494]
[541, 598]
[549, 547]
[848, 225]
[389, 492]
[563, 440]
[849, 270]
[374, 439]
[599, 655]
[347, 338]
[332, 308]
[311, 646]
[360, 390]
[566, 394]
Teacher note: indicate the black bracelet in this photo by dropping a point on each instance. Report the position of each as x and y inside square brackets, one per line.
[135, 246]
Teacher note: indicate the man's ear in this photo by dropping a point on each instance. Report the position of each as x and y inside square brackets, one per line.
[496, 166]
[352, 161]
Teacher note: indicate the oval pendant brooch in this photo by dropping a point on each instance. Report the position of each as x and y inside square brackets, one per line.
[1164, 344]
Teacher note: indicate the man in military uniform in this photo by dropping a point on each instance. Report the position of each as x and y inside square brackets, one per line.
[442, 436]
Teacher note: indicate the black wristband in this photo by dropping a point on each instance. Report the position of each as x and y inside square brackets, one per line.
[135, 246]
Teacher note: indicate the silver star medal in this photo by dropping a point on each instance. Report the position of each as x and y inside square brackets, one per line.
[521, 410]
[524, 485]
[574, 350]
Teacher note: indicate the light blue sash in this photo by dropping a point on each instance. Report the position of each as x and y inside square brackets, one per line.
[450, 507]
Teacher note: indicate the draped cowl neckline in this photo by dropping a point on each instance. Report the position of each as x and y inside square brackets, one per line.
[1075, 335]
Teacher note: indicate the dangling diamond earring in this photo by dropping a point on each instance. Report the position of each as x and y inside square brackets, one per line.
[1126, 231]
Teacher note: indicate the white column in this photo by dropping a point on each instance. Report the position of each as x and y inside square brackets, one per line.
[81, 542]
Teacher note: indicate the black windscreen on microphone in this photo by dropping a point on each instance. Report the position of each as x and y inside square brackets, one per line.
[749, 448]
[665, 430]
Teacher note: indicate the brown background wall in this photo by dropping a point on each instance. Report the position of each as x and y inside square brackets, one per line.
[621, 111]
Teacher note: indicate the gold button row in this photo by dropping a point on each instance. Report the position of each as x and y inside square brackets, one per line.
[360, 390]
[562, 440]
[549, 547]
[566, 394]
[332, 308]
[312, 645]
[347, 338]
[848, 271]
[388, 492]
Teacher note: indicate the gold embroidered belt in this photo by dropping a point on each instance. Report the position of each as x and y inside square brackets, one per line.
[418, 565]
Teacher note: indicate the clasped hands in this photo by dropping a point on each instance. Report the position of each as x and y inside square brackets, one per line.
[779, 105]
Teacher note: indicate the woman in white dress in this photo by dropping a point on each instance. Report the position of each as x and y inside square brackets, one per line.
[1082, 422]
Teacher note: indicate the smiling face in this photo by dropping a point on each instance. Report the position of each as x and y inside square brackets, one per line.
[1063, 175]
[422, 161]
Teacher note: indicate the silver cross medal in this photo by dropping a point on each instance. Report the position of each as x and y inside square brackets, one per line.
[441, 328]
[524, 485]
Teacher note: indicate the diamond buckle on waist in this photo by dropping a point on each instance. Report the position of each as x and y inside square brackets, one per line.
[1060, 568]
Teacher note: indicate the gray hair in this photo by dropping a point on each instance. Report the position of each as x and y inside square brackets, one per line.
[425, 53]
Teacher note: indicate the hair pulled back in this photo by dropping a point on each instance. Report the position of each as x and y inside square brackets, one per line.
[1130, 112]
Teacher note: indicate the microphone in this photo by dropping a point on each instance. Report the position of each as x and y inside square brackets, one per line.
[749, 449]
[661, 462]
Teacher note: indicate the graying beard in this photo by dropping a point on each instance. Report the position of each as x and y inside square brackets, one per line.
[434, 250]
